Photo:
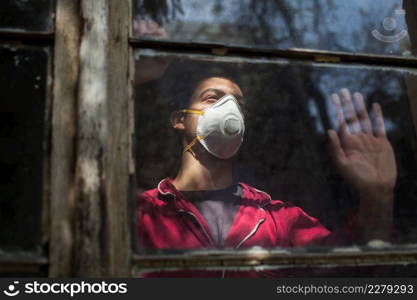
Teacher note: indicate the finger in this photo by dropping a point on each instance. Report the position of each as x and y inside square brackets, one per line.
[363, 116]
[136, 26]
[338, 107]
[336, 147]
[341, 122]
[160, 32]
[349, 111]
[141, 25]
[146, 27]
[379, 121]
[152, 26]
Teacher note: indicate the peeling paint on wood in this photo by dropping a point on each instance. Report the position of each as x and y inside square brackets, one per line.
[63, 126]
[90, 226]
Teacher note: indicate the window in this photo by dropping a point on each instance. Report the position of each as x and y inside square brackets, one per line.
[89, 88]
[288, 60]
[25, 49]
[285, 142]
[27, 16]
[376, 27]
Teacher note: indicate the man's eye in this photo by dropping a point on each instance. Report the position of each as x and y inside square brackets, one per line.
[212, 98]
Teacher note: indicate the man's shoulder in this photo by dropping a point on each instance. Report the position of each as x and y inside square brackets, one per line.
[258, 195]
[283, 209]
[164, 188]
[149, 198]
[147, 194]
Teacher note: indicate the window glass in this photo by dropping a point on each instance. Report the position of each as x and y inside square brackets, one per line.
[26, 15]
[23, 84]
[287, 153]
[364, 26]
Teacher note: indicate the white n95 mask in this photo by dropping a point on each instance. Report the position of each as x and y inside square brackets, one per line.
[220, 127]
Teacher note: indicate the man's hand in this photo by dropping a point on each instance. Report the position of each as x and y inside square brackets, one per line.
[365, 158]
[362, 153]
[148, 69]
[148, 28]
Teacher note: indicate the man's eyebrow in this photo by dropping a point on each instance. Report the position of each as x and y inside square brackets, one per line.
[217, 91]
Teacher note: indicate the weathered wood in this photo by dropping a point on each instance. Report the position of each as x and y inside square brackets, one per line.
[120, 127]
[102, 245]
[411, 78]
[251, 258]
[91, 139]
[411, 84]
[63, 132]
[90, 223]
[410, 7]
[259, 52]
[23, 263]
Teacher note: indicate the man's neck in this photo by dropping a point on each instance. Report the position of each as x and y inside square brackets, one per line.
[203, 173]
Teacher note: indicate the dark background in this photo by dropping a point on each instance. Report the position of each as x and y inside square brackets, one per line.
[27, 15]
[23, 86]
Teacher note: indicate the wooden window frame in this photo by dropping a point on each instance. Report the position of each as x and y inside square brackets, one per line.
[91, 140]
[89, 191]
[86, 208]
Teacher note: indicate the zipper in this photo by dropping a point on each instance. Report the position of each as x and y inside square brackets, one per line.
[201, 226]
[254, 230]
[250, 234]
[223, 273]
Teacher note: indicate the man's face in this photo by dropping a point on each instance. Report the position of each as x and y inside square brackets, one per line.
[208, 92]
[211, 90]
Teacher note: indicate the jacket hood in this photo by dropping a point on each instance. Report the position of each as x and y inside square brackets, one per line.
[168, 192]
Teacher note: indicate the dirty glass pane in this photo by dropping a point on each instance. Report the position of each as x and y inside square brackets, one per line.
[288, 107]
[364, 26]
[23, 84]
[26, 15]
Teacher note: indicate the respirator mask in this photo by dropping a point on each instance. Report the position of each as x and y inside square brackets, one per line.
[220, 127]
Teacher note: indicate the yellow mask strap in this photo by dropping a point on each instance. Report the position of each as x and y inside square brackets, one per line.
[192, 143]
[192, 111]
[198, 137]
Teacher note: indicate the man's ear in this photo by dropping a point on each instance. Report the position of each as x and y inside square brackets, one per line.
[177, 120]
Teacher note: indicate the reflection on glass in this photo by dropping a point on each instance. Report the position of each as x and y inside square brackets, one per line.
[22, 112]
[366, 26]
[336, 187]
[27, 15]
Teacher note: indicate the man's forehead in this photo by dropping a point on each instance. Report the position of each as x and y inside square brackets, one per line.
[221, 84]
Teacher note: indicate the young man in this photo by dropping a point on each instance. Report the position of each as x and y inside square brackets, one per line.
[202, 207]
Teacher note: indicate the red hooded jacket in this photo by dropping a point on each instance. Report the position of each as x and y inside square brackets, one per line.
[167, 220]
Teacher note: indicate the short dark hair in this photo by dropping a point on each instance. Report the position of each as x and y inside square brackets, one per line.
[186, 76]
